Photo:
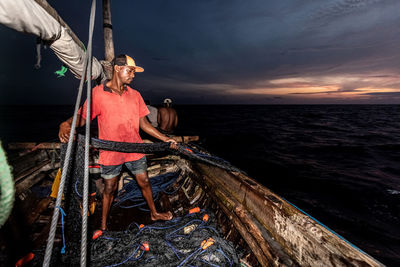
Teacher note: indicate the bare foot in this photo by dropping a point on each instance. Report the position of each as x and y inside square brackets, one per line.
[164, 216]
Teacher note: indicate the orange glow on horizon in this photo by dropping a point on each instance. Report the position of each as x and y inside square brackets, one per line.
[359, 87]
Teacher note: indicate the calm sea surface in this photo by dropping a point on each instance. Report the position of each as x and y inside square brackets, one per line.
[339, 163]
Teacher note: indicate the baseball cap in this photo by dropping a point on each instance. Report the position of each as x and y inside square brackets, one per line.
[167, 101]
[125, 60]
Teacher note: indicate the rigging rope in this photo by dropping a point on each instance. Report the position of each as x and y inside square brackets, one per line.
[87, 137]
[52, 232]
[38, 55]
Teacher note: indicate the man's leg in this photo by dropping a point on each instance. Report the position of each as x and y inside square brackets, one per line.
[110, 185]
[145, 186]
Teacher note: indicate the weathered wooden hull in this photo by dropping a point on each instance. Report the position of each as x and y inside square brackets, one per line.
[277, 232]
[269, 230]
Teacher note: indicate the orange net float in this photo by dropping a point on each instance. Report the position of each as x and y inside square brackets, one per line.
[194, 210]
[145, 246]
[207, 243]
[97, 234]
[141, 226]
[205, 218]
[27, 258]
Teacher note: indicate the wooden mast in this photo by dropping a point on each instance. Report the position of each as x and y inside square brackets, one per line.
[108, 38]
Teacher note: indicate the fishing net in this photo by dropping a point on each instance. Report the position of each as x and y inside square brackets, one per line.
[194, 152]
[177, 242]
[189, 151]
[192, 240]
[71, 222]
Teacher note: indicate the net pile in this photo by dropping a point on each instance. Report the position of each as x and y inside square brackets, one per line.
[174, 243]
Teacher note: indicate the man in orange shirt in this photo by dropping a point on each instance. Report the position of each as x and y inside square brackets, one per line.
[120, 111]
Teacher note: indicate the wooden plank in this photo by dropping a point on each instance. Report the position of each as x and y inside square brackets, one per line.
[34, 178]
[251, 242]
[26, 162]
[34, 146]
[42, 166]
[43, 204]
[277, 254]
[250, 229]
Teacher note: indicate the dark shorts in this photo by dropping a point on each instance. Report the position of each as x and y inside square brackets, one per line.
[135, 167]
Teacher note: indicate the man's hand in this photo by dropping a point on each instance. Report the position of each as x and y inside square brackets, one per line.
[173, 143]
[63, 133]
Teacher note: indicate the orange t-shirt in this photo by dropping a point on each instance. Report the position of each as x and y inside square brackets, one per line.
[118, 120]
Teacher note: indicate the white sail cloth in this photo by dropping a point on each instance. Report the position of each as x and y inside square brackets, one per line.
[27, 16]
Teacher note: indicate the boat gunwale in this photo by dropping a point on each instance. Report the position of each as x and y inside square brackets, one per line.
[254, 196]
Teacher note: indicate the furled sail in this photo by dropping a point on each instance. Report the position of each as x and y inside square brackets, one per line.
[39, 18]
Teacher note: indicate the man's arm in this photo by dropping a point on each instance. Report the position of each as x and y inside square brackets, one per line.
[65, 128]
[145, 125]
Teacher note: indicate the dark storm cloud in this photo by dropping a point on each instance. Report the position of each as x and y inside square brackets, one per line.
[241, 45]
[210, 51]
[386, 94]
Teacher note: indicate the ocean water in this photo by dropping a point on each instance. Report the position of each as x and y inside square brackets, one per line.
[339, 163]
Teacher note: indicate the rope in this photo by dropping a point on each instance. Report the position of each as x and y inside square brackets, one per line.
[52, 232]
[38, 55]
[62, 223]
[6, 187]
[131, 192]
[87, 138]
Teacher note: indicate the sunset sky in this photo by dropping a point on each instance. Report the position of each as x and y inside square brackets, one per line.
[228, 52]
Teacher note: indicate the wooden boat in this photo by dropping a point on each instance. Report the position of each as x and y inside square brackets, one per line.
[268, 229]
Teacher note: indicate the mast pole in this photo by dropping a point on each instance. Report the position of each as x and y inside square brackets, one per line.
[107, 26]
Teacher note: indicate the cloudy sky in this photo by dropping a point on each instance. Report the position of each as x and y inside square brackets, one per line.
[233, 52]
